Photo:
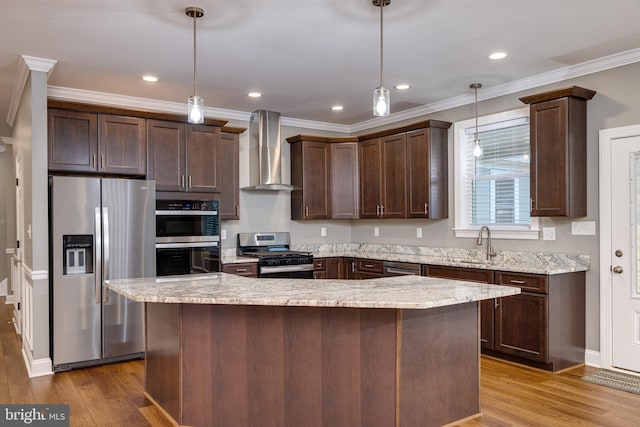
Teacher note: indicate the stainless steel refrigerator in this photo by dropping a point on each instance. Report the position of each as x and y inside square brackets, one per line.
[100, 228]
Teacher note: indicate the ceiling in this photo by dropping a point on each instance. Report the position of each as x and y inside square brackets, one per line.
[305, 56]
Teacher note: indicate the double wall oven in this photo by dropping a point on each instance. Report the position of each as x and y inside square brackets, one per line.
[187, 237]
[275, 258]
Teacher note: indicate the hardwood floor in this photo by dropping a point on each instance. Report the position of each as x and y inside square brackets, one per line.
[112, 395]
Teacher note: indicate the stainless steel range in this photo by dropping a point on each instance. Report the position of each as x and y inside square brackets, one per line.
[275, 259]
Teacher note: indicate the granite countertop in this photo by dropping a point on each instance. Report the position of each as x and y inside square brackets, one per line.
[402, 292]
[521, 262]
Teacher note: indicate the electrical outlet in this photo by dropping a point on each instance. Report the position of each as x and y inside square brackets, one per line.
[548, 233]
[223, 234]
[376, 231]
[419, 233]
[323, 231]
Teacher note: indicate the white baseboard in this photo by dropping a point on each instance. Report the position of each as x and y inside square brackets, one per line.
[592, 358]
[37, 368]
[3, 287]
[11, 299]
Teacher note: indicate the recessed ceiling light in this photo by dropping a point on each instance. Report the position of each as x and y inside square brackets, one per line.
[402, 86]
[254, 94]
[149, 78]
[498, 55]
[337, 108]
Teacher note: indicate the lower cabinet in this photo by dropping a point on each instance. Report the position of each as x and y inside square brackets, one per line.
[319, 268]
[350, 268]
[544, 326]
[369, 269]
[328, 268]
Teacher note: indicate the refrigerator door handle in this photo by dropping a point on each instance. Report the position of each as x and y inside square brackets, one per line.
[105, 270]
[98, 255]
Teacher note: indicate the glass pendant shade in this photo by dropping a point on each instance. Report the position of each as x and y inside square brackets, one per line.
[195, 109]
[381, 102]
[477, 150]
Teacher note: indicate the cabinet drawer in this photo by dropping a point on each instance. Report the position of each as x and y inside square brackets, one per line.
[526, 282]
[319, 264]
[370, 265]
[249, 269]
[459, 273]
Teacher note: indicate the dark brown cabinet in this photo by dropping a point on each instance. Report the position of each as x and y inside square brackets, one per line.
[247, 269]
[382, 177]
[558, 138]
[96, 143]
[344, 180]
[229, 154]
[328, 268]
[427, 171]
[349, 268]
[311, 173]
[319, 268]
[369, 269]
[182, 157]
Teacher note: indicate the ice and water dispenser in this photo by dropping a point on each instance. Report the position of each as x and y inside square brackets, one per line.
[77, 254]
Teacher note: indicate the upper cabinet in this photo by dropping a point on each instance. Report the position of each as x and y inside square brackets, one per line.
[428, 171]
[324, 170]
[229, 154]
[96, 143]
[183, 157]
[404, 172]
[558, 121]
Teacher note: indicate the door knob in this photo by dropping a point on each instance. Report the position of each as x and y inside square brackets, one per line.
[617, 269]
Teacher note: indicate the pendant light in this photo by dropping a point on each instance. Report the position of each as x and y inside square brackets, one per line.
[381, 100]
[477, 150]
[195, 105]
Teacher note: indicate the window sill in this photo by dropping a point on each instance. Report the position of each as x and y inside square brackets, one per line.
[528, 234]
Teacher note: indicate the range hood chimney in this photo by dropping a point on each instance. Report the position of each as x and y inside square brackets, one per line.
[265, 172]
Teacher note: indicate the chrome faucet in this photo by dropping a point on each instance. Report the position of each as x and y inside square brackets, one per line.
[490, 251]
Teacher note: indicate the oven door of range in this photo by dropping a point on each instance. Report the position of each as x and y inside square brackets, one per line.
[187, 258]
[299, 271]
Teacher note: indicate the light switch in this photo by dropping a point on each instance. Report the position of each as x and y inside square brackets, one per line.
[223, 234]
[323, 231]
[376, 231]
[419, 233]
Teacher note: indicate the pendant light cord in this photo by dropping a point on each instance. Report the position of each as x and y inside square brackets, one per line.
[194, 54]
[476, 112]
[381, 42]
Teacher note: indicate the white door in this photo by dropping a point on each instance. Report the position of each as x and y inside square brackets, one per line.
[625, 255]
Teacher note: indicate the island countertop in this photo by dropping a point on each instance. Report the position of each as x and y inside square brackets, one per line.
[400, 292]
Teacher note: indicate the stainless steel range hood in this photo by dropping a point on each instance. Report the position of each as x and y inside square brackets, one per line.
[265, 168]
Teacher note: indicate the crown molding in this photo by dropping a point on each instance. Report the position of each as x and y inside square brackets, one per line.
[26, 64]
[561, 74]
[554, 76]
[6, 140]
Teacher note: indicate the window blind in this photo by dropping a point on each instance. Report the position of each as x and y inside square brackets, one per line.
[497, 187]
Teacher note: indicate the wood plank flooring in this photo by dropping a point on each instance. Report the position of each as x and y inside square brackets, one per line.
[112, 395]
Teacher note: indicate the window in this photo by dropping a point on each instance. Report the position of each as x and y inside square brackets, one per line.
[493, 189]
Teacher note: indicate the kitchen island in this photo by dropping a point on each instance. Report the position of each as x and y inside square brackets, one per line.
[224, 350]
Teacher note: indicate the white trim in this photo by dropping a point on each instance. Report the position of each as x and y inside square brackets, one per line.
[554, 76]
[4, 286]
[25, 66]
[10, 251]
[38, 367]
[11, 299]
[523, 234]
[592, 358]
[6, 140]
[35, 274]
[606, 138]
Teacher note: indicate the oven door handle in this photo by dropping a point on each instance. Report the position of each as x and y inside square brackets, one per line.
[285, 268]
[187, 213]
[186, 245]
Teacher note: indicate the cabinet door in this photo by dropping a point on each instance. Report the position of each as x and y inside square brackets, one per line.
[549, 158]
[334, 268]
[229, 151]
[247, 269]
[427, 173]
[73, 141]
[344, 180]
[394, 198]
[202, 161]
[370, 178]
[521, 326]
[316, 180]
[166, 146]
[122, 145]
[487, 324]
[350, 268]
